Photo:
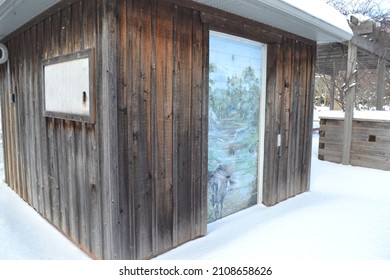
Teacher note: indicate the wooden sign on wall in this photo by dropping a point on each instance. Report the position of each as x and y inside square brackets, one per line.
[68, 87]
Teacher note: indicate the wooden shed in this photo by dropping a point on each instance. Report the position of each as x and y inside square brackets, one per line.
[123, 120]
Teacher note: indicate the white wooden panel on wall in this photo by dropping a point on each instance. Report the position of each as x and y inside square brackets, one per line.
[67, 88]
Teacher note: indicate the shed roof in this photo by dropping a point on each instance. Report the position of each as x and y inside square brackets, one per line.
[15, 13]
[313, 19]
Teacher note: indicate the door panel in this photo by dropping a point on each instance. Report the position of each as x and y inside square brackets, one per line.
[233, 138]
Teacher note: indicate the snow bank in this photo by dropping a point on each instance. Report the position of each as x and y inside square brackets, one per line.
[24, 234]
[345, 215]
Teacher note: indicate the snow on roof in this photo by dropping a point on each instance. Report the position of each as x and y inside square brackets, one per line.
[379, 116]
[326, 15]
[312, 19]
[360, 17]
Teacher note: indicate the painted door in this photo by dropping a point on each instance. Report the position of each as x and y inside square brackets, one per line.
[234, 124]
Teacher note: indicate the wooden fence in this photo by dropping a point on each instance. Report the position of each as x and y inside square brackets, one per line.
[370, 145]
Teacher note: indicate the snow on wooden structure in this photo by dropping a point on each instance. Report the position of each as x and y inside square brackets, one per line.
[128, 178]
[370, 138]
[366, 47]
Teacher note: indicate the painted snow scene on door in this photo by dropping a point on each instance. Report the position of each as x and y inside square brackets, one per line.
[233, 139]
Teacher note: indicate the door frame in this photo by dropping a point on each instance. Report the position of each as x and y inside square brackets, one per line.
[262, 108]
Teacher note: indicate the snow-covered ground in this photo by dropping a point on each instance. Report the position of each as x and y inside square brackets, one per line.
[345, 215]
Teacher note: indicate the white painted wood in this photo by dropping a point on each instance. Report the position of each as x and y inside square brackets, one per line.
[67, 88]
[263, 81]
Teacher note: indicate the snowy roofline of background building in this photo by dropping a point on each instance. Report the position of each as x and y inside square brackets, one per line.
[381, 116]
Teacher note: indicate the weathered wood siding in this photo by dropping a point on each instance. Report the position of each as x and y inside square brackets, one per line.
[134, 183]
[131, 185]
[370, 145]
[162, 117]
[53, 164]
[289, 117]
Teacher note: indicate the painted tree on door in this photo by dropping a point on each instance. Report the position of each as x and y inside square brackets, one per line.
[234, 101]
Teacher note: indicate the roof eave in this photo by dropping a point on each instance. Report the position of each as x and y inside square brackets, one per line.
[322, 24]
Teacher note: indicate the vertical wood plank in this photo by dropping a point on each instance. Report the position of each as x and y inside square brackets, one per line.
[139, 123]
[294, 131]
[302, 83]
[61, 158]
[278, 126]
[23, 115]
[36, 44]
[130, 165]
[349, 102]
[297, 162]
[183, 110]
[284, 115]
[196, 128]
[93, 203]
[18, 125]
[310, 78]
[122, 87]
[109, 132]
[46, 46]
[381, 70]
[53, 173]
[53, 126]
[271, 130]
[164, 117]
[15, 165]
[153, 126]
[76, 26]
[205, 127]
[30, 100]
[174, 152]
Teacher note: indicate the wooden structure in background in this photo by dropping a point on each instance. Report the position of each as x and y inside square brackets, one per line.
[133, 184]
[366, 48]
[371, 54]
[370, 145]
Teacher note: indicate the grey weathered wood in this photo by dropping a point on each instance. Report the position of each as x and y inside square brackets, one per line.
[197, 182]
[364, 152]
[288, 113]
[46, 162]
[204, 135]
[93, 218]
[123, 178]
[308, 131]
[349, 101]
[139, 129]
[271, 131]
[164, 125]
[109, 132]
[248, 30]
[380, 93]
[363, 28]
[182, 108]
[134, 184]
[370, 46]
